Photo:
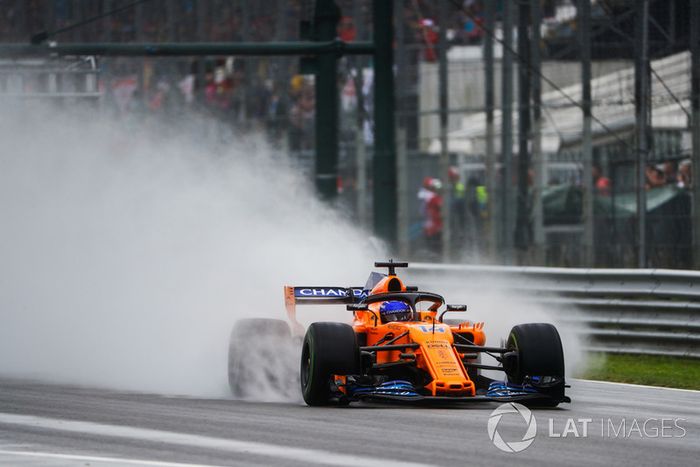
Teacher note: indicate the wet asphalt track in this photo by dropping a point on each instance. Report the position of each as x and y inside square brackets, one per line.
[62, 425]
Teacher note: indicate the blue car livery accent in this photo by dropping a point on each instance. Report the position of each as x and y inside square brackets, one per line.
[502, 389]
[390, 388]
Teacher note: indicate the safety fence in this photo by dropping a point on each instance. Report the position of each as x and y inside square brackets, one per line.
[636, 311]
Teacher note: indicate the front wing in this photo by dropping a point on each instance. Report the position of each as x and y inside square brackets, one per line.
[533, 399]
[402, 391]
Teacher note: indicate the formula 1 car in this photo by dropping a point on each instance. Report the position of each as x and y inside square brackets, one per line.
[399, 348]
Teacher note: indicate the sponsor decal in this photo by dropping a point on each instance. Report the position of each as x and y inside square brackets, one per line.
[429, 329]
[446, 358]
[321, 292]
[436, 344]
[328, 292]
[359, 293]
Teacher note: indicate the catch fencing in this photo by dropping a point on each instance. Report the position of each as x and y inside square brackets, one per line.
[635, 311]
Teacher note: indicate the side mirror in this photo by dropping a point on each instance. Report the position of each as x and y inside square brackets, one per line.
[451, 308]
[362, 307]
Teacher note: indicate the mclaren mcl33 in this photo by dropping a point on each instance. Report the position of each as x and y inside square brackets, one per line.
[399, 347]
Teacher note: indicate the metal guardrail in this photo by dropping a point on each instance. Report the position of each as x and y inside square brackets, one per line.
[636, 311]
[49, 78]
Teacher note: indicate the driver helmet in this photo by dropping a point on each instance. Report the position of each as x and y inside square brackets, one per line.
[395, 310]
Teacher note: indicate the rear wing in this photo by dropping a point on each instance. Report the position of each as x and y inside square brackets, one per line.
[314, 295]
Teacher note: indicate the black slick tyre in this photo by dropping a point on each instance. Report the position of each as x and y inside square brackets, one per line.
[540, 358]
[328, 349]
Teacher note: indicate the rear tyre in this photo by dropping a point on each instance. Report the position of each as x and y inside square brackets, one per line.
[259, 359]
[328, 349]
[540, 358]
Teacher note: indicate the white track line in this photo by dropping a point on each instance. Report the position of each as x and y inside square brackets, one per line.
[637, 385]
[108, 460]
[313, 456]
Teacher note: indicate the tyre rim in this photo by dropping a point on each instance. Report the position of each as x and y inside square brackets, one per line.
[306, 367]
[512, 345]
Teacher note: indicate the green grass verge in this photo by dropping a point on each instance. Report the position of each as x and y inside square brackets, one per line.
[649, 370]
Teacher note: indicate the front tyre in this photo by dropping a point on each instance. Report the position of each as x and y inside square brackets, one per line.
[328, 349]
[540, 358]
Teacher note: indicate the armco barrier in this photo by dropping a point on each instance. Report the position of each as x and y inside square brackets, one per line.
[638, 311]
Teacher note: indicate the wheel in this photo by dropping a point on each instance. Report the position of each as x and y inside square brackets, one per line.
[328, 349]
[260, 359]
[540, 356]
[539, 351]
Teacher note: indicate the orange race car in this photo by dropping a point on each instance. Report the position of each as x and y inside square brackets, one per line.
[399, 348]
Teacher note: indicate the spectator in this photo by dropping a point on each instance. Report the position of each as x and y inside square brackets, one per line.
[655, 177]
[458, 207]
[684, 177]
[670, 172]
[433, 226]
[601, 183]
[424, 195]
[301, 118]
[276, 112]
[430, 39]
[346, 29]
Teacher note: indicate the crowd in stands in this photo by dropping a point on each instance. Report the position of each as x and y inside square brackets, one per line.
[669, 173]
[262, 92]
[668, 225]
[266, 93]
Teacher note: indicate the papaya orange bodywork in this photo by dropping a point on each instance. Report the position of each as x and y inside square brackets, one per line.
[436, 354]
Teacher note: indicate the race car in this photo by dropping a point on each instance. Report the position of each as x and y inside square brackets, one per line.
[398, 348]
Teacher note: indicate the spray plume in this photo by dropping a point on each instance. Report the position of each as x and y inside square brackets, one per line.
[129, 252]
